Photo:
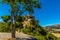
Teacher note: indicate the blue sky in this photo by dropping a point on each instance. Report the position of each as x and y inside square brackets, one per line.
[49, 13]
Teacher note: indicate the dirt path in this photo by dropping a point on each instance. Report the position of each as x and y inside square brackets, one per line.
[21, 35]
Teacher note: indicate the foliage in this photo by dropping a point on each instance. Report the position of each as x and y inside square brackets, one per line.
[27, 5]
[34, 29]
[37, 31]
[4, 27]
[6, 18]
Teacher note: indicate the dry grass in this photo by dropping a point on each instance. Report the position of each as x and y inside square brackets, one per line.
[56, 34]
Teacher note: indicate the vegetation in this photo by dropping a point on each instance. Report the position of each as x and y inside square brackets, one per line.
[33, 29]
[20, 6]
[27, 25]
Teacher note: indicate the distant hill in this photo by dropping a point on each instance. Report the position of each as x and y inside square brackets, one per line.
[53, 28]
[56, 26]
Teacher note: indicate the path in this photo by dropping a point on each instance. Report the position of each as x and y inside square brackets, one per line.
[20, 35]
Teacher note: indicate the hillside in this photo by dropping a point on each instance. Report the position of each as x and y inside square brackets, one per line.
[28, 25]
[56, 26]
[53, 29]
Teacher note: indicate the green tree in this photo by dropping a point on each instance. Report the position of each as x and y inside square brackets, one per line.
[28, 5]
[6, 20]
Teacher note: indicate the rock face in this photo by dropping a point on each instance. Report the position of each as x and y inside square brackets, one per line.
[29, 20]
[19, 36]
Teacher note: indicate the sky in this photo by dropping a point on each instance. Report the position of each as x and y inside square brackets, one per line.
[49, 13]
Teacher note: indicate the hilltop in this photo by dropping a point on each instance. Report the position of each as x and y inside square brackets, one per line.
[56, 26]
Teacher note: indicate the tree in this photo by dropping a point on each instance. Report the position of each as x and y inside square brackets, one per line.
[28, 5]
[6, 21]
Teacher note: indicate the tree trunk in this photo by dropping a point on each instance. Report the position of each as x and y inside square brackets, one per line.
[12, 28]
[13, 31]
[13, 20]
